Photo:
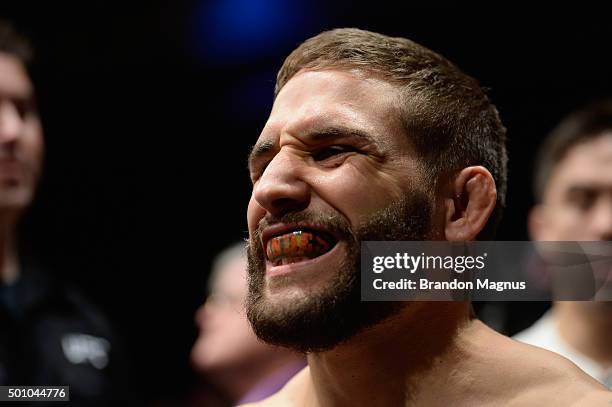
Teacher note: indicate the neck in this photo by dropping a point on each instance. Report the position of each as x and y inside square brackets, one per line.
[9, 270]
[239, 381]
[586, 327]
[387, 365]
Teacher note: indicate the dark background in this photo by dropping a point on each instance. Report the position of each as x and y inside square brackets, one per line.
[149, 113]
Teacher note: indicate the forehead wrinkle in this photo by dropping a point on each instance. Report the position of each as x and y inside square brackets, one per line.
[340, 121]
[346, 92]
[316, 124]
[310, 114]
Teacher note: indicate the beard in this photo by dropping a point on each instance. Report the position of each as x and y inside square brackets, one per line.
[328, 317]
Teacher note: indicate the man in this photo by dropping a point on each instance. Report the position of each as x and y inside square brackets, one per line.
[573, 188]
[49, 335]
[227, 351]
[379, 138]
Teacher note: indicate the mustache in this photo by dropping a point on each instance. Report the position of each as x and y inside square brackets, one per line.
[334, 223]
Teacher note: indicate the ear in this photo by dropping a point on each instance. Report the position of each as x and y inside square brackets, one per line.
[472, 201]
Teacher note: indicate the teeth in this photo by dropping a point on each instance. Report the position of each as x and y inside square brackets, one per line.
[296, 246]
[289, 260]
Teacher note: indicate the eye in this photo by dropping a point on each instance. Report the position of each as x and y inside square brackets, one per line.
[258, 169]
[24, 107]
[332, 151]
[583, 200]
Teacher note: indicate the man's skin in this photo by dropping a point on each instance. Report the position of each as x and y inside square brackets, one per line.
[429, 354]
[21, 150]
[577, 205]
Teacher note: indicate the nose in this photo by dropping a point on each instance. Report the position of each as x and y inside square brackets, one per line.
[281, 188]
[11, 122]
[602, 218]
[207, 313]
[200, 315]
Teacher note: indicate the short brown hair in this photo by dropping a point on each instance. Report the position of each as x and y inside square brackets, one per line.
[448, 116]
[12, 42]
[580, 126]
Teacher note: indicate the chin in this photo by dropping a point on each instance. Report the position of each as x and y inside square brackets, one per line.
[15, 200]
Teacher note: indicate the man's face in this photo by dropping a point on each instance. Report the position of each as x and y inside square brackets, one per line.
[21, 142]
[226, 341]
[332, 166]
[577, 203]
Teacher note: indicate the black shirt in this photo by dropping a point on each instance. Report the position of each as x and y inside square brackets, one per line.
[51, 335]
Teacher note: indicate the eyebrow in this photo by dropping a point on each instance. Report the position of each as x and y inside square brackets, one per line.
[265, 146]
[260, 150]
[588, 188]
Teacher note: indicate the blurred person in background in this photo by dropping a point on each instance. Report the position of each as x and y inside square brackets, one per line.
[227, 352]
[573, 190]
[49, 334]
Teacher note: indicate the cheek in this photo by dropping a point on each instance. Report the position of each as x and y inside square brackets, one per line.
[33, 143]
[358, 190]
[566, 224]
[254, 214]
[237, 331]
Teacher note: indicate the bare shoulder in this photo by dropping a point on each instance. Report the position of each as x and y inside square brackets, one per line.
[563, 394]
[555, 380]
[534, 376]
[595, 398]
[289, 395]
